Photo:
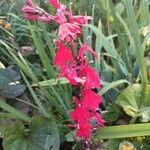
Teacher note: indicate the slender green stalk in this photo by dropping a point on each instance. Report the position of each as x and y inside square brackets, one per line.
[14, 112]
[112, 85]
[42, 53]
[52, 82]
[37, 101]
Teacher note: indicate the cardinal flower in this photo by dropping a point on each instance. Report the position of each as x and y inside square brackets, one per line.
[61, 15]
[92, 77]
[34, 12]
[84, 130]
[69, 72]
[90, 100]
[74, 67]
[55, 3]
[80, 115]
[68, 31]
[63, 55]
[84, 48]
[80, 20]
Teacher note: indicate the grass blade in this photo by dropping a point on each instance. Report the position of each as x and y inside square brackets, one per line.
[123, 131]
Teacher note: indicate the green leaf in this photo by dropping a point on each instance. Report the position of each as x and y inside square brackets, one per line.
[53, 82]
[113, 113]
[9, 84]
[12, 91]
[42, 135]
[123, 131]
[129, 100]
[113, 144]
[112, 85]
[119, 8]
[13, 111]
[8, 75]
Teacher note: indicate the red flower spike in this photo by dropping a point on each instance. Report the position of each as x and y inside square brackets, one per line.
[68, 32]
[92, 78]
[80, 20]
[76, 69]
[84, 130]
[63, 55]
[84, 48]
[55, 3]
[90, 100]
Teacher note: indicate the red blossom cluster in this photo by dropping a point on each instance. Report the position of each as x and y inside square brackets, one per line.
[73, 64]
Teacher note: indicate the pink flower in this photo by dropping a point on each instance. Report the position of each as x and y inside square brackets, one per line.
[80, 115]
[63, 55]
[80, 20]
[70, 73]
[84, 130]
[90, 100]
[92, 78]
[84, 48]
[61, 14]
[55, 3]
[68, 32]
[34, 12]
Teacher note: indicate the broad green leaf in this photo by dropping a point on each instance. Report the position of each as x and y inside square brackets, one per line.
[43, 134]
[113, 113]
[8, 75]
[130, 98]
[9, 84]
[12, 91]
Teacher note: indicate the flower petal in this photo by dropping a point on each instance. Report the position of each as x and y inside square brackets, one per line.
[90, 100]
[68, 31]
[80, 20]
[92, 78]
[84, 48]
[84, 130]
[63, 55]
[55, 3]
[80, 115]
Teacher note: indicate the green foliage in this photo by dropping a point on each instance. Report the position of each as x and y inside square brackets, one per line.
[113, 113]
[9, 82]
[42, 134]
[123, 131]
